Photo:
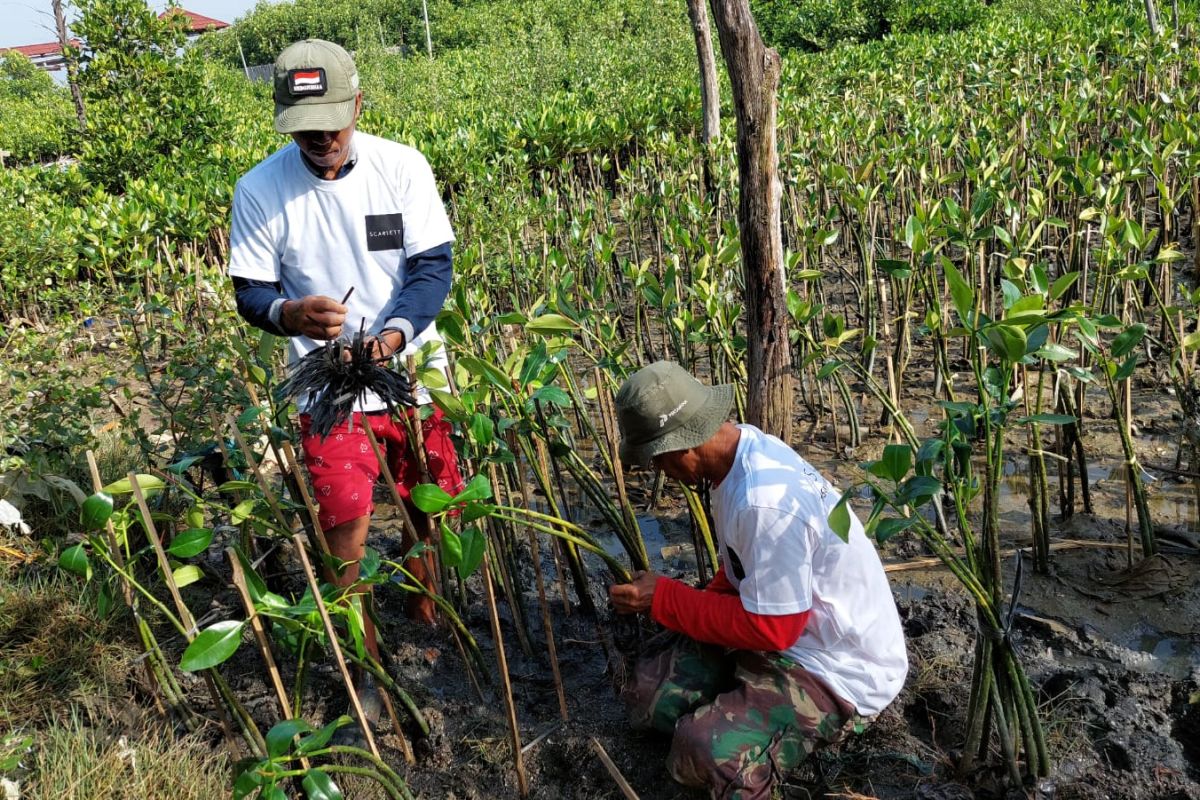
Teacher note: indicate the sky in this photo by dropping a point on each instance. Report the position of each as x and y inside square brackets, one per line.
[31, 21]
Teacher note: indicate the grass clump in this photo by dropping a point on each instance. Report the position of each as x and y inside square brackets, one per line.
[56, 653]
[70, 759]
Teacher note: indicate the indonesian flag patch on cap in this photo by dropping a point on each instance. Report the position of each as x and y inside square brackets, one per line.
[307, 82]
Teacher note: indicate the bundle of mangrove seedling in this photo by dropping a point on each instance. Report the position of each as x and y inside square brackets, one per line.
[335, 378]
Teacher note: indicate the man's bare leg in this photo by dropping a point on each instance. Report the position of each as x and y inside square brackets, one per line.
[421, 608]
[348, 542]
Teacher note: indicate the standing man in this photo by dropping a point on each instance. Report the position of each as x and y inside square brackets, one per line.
[332, 211]
[795, 642]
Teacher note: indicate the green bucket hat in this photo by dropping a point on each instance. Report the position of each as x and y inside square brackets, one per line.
[662, 408]
[316, 84]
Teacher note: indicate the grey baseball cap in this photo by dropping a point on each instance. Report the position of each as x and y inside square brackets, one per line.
[316, 84]
[661, 408]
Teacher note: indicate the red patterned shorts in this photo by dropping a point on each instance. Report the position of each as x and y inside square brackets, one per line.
[344, 470]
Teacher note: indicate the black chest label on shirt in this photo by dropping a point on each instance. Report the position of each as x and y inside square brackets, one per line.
[385, 231]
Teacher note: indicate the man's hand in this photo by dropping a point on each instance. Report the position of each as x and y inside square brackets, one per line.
[387, 344]
[315, 316]
[635, 597]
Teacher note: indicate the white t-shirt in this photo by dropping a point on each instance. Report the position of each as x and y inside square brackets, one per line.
[319, 237]
[771, 514]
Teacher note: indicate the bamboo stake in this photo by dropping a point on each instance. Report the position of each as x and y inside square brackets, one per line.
[118, 555]
[293, 465]
[505, 681]
[252, 462]
[260, 634]
[622, 784]
[543, 603]
[185, 616]
[1066, 544]
[301, 542]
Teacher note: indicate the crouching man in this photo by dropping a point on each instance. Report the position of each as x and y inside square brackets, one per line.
[795, 642]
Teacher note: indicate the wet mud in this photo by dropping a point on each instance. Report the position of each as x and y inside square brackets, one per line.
[1113, 651]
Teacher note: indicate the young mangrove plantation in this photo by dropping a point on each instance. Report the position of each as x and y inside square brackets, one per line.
[984, 320]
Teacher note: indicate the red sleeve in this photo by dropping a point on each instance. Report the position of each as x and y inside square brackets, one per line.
[720, 583]
[720, 618]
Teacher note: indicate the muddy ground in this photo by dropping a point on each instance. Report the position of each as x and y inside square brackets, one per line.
[1113, 651]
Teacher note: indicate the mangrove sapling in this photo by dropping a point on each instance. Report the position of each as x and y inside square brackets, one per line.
[97, 512]
[296, 741]
[1122, 348]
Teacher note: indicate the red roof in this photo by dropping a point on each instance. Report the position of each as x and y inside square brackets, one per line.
[38, 50]
[196, 23]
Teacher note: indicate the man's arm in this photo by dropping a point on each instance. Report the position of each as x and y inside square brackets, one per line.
[426, 284]
[714, 616]
[263, 305]
[260, 303]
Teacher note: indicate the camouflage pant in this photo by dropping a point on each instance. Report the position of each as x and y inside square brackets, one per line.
[740, 718]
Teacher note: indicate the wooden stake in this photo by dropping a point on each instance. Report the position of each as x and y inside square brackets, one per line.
[622, 784]
[505, 681]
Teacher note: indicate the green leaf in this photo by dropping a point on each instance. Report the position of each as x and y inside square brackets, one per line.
[368, 567]
[1057, 353]
[148, 483]
[484, 369]
[75, 561]
[243, 511]
[319, 786]
[452, 547]
[887, 528]
[1046, 419]
[1127, 340]
[482, 430]
[318, 739]
[430, 498]
[1191, 342]
[839, 518]
[96, 511]
[474, 543]
[480, 488]
[828, 368]
[550, 323]
[190, 542]
[919, 490]
[1062, 283]
[474, 511]
[248, 780]
[238, 486]
[279, 738]
[897, 458]
[214, 645]
[1126, 369]
[254, 582]
[552, 395]
[187, 575]
[960, 291]
[450, 405]
[1007, 342]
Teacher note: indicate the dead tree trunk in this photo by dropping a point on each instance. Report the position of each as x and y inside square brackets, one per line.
[1152, 18]
[754, 75]
[710, 96]
[60, 22]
